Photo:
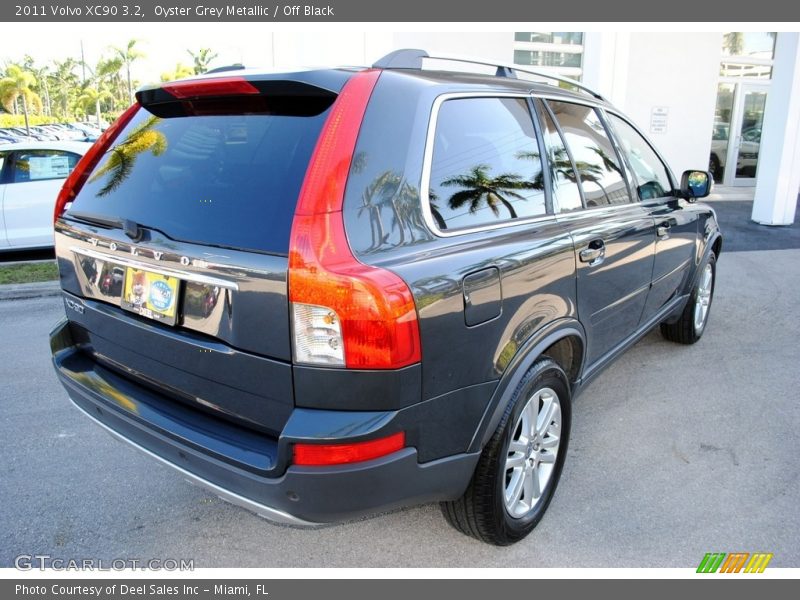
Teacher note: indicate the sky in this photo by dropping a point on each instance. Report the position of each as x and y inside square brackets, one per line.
[165, 44]
[263, 44]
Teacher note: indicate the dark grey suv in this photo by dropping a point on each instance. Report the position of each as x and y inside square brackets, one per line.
[348, 290]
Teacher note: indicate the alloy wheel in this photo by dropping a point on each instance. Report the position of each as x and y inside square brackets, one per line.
[532, 452]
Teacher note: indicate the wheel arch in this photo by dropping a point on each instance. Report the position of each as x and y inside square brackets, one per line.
[712, 244]
[564, 341]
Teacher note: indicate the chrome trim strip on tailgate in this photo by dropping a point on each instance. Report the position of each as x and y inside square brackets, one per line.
[272, 514]
[183, 275]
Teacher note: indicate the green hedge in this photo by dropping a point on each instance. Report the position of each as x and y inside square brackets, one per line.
[7, 120]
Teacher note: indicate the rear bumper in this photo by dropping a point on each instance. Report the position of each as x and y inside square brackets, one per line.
[244, 469]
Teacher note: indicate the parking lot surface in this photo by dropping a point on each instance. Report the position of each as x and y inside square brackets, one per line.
[675, 451]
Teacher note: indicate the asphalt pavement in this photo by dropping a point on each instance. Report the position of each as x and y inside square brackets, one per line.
[676, 451]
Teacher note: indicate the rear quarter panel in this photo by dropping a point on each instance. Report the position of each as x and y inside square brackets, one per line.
[386, 228]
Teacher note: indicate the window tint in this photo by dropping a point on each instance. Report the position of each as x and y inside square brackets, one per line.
[566, 193]
[651, 175]
[221, 180]
[486, 163]
[36, 165]
[598, 167]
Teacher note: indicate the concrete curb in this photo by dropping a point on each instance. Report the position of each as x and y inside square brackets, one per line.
[20, 291]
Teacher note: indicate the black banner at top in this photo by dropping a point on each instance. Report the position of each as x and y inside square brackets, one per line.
[475, 11]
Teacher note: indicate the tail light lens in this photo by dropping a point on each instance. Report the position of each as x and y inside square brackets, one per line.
[220, 86]
[345, 313]
[318, 455]
[318, 335]
[74, 183]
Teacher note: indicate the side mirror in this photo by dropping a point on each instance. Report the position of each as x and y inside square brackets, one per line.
[696, 184]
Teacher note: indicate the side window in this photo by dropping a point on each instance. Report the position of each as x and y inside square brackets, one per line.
[652, 179]
[486, 165]
[566, 193]
[598, 167]
[36, 165]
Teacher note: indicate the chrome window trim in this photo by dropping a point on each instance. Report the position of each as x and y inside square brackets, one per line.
[428, 159]
[610, 208]
[427, 163]
[180, 274]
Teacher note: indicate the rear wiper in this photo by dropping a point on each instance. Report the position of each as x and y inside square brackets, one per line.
[131, 228]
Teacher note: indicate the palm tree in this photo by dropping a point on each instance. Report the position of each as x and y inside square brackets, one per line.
[91, 97]
[128, 55]
[108, 72]
[64, 83]
[479, 188]
[383, 186]
[18, 84]
[120, 161]
[42, 75]
[202, 59]
[180, 72]
[733, 42]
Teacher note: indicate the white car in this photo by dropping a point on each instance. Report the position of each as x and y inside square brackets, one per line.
[31, 175]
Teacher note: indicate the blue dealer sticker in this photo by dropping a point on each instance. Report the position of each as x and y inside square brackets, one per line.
[160, 295]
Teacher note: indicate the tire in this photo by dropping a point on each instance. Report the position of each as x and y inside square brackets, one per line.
[483, 511]
[692, 323]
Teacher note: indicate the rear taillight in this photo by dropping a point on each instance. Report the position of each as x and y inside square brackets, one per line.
[219, 86]
[318, 455]
[344, 313]
[74, 183]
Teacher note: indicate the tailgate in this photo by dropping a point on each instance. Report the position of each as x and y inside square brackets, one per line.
[229, 349]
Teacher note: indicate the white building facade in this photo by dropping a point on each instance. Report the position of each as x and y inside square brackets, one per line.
[729, 102]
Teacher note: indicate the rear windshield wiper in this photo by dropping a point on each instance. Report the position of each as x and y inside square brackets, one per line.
[131, 228]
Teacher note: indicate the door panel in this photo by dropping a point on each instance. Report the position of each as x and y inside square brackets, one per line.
[3, 160]
[3, 238]
[675, 227]
[33, 179]
[615, 243]
[676, 239]
[28, 210]
[612, 290]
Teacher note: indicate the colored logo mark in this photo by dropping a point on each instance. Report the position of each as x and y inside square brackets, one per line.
[735, 562]
[160, 295]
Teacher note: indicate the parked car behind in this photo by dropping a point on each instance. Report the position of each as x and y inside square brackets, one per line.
[31, 175]
[30, 134]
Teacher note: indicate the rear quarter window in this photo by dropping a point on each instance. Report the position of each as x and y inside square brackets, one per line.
[486, 166]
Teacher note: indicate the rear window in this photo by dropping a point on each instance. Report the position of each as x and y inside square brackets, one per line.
[220, 180]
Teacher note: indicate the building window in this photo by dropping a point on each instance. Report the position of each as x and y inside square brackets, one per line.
[747, 54]
[559, 52]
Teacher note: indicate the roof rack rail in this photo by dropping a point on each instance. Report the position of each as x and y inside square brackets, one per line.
[411, 58]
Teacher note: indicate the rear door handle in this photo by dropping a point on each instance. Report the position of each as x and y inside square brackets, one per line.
[662, 230]
[594, 253]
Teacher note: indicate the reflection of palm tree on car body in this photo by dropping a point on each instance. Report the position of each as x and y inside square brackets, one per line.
[480, 187]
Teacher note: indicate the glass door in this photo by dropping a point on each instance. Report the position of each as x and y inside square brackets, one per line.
[721, 135]
[736, 136]
[744, 149]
